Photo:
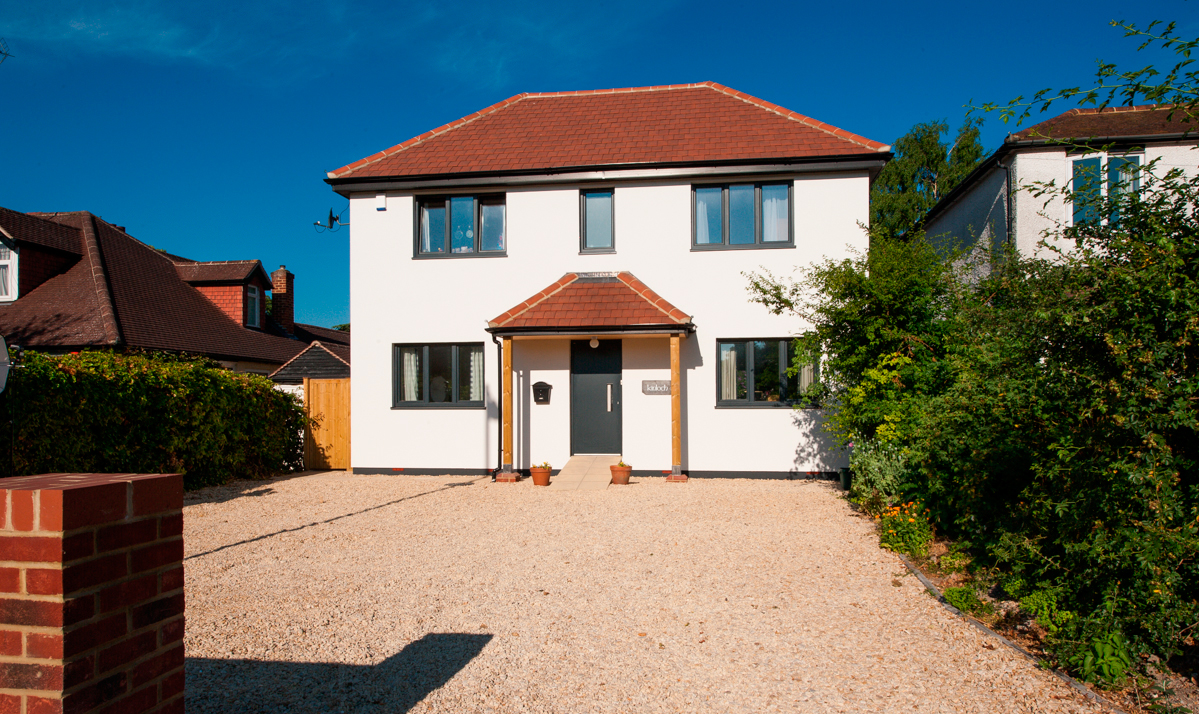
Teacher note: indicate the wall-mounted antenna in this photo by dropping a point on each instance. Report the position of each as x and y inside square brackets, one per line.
[4, 53]
[333, 223]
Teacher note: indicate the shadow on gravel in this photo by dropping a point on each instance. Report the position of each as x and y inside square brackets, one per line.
[394, 685]
[446, 487]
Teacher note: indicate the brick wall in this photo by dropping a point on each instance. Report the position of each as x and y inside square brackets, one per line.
[91, 594]
[229, 298]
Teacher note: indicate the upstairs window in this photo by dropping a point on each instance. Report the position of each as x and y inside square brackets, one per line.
[252, 301]
[754, 373]
[741, 216]
[461, 226]
[438, 375]
[1098, 176]
[597, 216]
[8, 273]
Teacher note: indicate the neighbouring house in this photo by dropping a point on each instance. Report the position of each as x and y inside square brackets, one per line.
[563, 274]
[71, 281]
[319, 360]
[1100, 149]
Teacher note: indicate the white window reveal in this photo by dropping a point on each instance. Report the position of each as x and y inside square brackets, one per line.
[8, 273]
[252, 306]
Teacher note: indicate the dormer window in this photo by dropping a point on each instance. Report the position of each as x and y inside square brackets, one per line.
[252, 306]
[8, 273]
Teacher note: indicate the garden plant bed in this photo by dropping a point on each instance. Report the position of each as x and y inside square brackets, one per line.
[1181, 674]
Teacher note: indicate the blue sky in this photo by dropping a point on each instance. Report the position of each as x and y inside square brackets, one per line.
[207, 128]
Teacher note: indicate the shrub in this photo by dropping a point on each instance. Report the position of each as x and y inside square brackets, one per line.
[877, 468]
[905, 529]
[966, 599]
[1043, 605]
[149, 413]
[1104, 659]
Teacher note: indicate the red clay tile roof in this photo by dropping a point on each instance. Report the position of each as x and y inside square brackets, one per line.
[682, 123]
[223, 271]
[1110, 122]
[593, 300]
[122, 292]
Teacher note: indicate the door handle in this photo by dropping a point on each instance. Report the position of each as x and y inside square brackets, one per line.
[609, 396]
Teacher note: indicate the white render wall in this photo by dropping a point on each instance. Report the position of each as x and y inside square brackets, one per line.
[970, 219]
[398, 299]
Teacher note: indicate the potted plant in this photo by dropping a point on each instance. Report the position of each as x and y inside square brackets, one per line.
[620, 473]
[541, 473]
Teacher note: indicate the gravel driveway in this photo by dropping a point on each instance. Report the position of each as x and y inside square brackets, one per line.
[339, 593]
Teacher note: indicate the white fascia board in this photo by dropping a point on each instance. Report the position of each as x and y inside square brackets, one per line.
[639, 174]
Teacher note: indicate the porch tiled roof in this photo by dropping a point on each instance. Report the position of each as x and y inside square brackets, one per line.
[593, 300]
[687, 123]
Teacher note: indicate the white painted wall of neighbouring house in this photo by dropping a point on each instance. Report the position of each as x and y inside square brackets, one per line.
[398, 299]
[978, 218]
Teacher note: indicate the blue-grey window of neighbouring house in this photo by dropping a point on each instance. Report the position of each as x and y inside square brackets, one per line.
[755, 373]
[461, 226]
[598, 215]
[1091, 183]
[741, 216]
[437, 375]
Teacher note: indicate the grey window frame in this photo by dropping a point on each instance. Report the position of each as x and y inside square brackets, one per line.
[786, 350]
[420, 202]
[396, 403]
[724, 217]
[583, 249]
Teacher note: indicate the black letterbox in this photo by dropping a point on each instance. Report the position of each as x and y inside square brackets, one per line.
[541, 393]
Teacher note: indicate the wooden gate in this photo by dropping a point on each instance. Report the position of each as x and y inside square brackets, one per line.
[327, 444]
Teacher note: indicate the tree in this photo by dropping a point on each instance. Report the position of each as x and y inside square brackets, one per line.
[923, 171]
[344, 327]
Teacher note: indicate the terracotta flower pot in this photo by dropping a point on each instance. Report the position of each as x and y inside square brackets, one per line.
[620, 474]
[541, 477]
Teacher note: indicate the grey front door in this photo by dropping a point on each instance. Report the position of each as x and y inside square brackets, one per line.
[595, 397]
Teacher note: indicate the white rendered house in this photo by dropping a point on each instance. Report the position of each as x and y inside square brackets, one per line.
[563, 273]
[1082, 149]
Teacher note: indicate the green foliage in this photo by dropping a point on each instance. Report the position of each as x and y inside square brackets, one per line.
[877, 469]
[876, 324]
[905, 529]
[953, 562]
[923, 171]
[344, 327]
[1043, 605]
[966, 599]
[149, 413]
[1105, 659]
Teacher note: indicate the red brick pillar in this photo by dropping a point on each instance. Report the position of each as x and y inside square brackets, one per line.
[91, 594]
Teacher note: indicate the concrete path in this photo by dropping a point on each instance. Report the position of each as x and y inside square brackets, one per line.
[585, 472]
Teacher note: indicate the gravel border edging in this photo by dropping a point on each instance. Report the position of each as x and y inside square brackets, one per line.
[980, 626]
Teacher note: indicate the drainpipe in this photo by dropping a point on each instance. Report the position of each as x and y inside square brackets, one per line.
[499, 384]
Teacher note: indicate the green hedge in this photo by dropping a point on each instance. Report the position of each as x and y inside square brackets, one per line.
[148, 413]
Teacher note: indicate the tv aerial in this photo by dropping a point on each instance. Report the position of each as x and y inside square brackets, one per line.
[4, 53]
[331, 224]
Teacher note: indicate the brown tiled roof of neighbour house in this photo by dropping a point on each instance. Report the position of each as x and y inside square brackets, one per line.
[318, 361]
[1110, 123]
[217, 271]
[327, 335]
[682, 123]
[602, 300]
[40, 230]
[122, 292]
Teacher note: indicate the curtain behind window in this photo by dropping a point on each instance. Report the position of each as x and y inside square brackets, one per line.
[410, 376]
[728, 373]
[774, 214]
[476, 375]
[3, 281]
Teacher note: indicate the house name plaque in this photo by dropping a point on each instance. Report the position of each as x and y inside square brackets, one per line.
[655, 386]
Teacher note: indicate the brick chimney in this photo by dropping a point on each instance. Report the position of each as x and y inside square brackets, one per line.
[283, 298]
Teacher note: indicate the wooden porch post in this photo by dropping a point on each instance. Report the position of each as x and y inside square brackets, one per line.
[506, 473]
[676, 413]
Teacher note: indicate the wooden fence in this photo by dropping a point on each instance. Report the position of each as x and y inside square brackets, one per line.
[327, 445]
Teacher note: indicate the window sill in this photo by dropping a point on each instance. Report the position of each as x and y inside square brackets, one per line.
[441, 405]
[747, 246]
[763, 405]
[453, 256]
[598, 251]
